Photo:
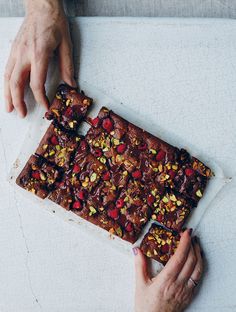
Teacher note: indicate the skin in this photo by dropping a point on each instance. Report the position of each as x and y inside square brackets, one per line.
[43, 32]
[171, 290]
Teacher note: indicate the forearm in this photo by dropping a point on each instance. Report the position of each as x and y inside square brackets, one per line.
[49, 6]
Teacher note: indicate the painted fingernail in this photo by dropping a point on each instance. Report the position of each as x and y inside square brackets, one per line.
[135, 251]
[190, 231]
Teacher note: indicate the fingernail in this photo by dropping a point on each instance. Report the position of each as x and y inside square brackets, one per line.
[135, 251]
[190, 231]
[196, 240]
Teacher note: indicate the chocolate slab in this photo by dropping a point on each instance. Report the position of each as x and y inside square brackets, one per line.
[58, 146]
[172, 210]
[38, 176]
[69, 107]
[159, 243]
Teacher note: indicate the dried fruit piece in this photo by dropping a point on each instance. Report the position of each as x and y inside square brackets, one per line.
[121, 148]
[137, 174]
[160, 155]
[114, 213]
[107, 124]
[77, 205]
[120, 203]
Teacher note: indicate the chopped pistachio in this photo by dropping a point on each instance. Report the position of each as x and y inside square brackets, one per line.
[153, 151]
[199, 193]
[102, 159]
[92, 210]
[42, 176]
[179, 203]
[93, 177]
[165, 199]
[173, 197]
[45, 146]
[119, 231]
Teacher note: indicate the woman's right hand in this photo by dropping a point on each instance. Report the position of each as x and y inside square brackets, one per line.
[173, 288]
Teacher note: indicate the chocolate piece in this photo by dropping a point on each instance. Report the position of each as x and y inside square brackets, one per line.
[38, 176]
[191, 179]
[69, 107]
[57, 146]
[172, 210]
[159, 243]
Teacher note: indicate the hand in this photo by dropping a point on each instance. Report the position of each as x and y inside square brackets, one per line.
[171, 290]
[44, 30]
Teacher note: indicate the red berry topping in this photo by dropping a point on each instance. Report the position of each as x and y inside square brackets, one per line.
[150, 199]
[137, 174]
[97, 152]
[160, 218]
[129, 227]
[114, 213]
[121, 148]
[54, 140]
[81, 195]
[107, 124]
[160, 155]
[165, 248]
[77, 205]
[36, 175]
[142, 146]
[76, 168]
[106, 176]
[172, 173]
[120, 203]
[95, 121]
[68, 112]
[189, 172]
[83, 146]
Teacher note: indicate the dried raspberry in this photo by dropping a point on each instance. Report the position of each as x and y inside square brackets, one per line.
[54, 140]
[98, 152]
[160, 155]
[68, 112]
[150, 199]
[129, 227]
[35, 175]
[137, 174]
[120, 203]
[189, 172]
[95, 122]
[165, 248]
[81, 195]
[121, 148]
[172, 173]
[160, 218]
[142, 146]
[106, 176]
[107, 124]
[76, 168]
[77, 205]
[114, 213]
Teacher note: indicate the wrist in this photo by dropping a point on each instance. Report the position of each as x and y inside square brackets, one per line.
[52, 7]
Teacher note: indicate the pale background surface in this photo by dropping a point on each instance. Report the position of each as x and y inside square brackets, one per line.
[173, 8]
[180, 73]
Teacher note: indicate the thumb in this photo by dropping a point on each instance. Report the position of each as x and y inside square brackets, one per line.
[141, 274]
[66, 62]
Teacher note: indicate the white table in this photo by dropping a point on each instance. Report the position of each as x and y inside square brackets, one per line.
[178, 72]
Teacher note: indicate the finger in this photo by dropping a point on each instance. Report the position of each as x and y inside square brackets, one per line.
[18, 80]
[38, 78]
[188, 267]
[177, 261]
[198, 269]
[66, 62]
[7, 89]
[141, 274]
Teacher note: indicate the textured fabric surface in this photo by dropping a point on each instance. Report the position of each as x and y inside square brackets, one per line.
[172, 8]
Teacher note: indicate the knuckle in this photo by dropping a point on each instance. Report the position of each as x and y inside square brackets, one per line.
[36, 87]
[7, 75]
[15, 83]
